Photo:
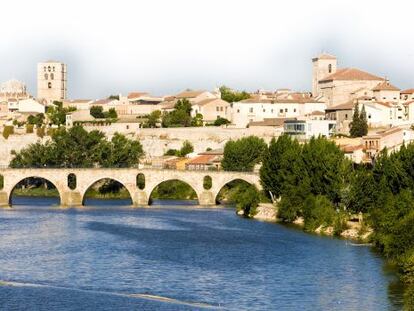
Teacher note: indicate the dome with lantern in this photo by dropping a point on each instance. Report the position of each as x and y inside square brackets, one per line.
[13, 89]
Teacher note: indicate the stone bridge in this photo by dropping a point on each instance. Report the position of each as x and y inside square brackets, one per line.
[86, 177]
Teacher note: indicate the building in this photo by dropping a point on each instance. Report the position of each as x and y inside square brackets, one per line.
[355, 153]
[51, 81]
[211, 109]
[79, 104]
[392, 139]
[206, 161]
[306, 129]
[13, 89]
[259, 108]
[338, 85]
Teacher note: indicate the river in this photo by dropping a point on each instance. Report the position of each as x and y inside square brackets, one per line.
[174, 257]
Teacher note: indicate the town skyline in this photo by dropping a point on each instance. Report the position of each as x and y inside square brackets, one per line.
[251, 46]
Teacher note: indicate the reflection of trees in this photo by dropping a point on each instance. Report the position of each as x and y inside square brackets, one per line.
[401, 296]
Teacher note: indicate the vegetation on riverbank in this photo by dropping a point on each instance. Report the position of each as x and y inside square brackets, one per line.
[315, 181]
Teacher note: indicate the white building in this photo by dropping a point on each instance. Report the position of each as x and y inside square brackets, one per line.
[258, 109]
[51, 81]
[306, 129]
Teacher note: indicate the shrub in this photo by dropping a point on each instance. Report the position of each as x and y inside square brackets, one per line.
[8, 130]
[29, 128]
[40, 131]
[318, 211]
[247, 199]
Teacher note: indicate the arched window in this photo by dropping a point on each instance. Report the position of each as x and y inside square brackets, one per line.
[140, 181]
[52, 76]
[49, 69]
[72, 181]
[49, 85]
[46, 76]
[330, 68]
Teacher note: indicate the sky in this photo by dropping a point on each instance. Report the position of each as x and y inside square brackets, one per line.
[165, 46]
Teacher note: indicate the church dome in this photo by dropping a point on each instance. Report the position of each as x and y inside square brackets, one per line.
[13, 88]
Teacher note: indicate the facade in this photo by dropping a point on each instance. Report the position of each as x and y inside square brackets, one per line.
[339, 85]
[13, 89]
[354, 153]
[306, 129]
[51, 81]
[392, 139]
[257, 109]
[212, 109]
[79, 104]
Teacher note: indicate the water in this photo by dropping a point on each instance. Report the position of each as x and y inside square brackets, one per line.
[108, 257]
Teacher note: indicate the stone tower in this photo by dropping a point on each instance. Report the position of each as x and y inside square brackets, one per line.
[51, 81]
[323, 66]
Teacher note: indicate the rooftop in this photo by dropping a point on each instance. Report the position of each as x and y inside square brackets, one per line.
[385, 86]
[351, 74]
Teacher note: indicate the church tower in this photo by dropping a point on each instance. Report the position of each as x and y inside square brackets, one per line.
[323, 66]
[51, 81]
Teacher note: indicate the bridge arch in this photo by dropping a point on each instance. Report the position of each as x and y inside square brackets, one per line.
[15, 183]
[249, 179]
[151, 188]
[88, 185]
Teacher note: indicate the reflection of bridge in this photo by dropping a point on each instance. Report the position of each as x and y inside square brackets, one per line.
[126, 176]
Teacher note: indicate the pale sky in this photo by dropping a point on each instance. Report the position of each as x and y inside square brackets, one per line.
[163, 47]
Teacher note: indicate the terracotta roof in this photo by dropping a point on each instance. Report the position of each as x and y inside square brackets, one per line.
[350, 148]
[278, 101]
[271, 122]
[351, 74]
[407, 91]
[208, 101]
[408, 102]
[189, 94]
[344, 106]
[324, 56]
[136, 94]
[102, 102]
[385, 86]
[203, 159]
[317, 113]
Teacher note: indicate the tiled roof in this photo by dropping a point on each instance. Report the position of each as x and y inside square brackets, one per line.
[407, 91]
[351, 74]
[344, 106]
[203, 159]
[350, 148]
[102, 102]
[385, 86]
[189, 94]
[136, 94]
[208, 101]
[270, 122]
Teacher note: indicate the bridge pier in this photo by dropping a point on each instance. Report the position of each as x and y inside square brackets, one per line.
[206, 198]
[4, 199]
[70, 198]
[139, 198]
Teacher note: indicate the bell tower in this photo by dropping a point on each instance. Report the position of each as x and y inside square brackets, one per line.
[51, 81]
[323, 66]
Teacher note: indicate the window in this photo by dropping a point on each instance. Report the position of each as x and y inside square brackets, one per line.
[44, 68]
[49, 85]
[369, 116]
[52, 76]
[264, 110]
[217, 108]
[346, 116]
[286, 110]
[49, 69]
[271, 110]
[294, 110]
[221, 108]
[53, 68]
[250, 109]
[330, 68]
[281, 110]
[238, 110]
[46, 76]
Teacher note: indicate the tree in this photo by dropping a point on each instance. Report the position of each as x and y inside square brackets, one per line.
[243, 154]
[97, 112]
[359, 124]
[36, 120]
[221, 121]
[277, 171]
[111, 114]
[180, 116]
[247, 199]
[232, 96]
[197, 120]
[8, 130]
[57, 114]
[153, 119]
[116, 97]
[186, 148]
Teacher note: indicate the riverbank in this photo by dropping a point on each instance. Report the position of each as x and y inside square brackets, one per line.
[354, 230]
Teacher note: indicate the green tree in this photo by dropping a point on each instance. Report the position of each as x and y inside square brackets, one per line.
[232, 96]
[197, 120]
[221, 121]
[243, 154]
[57, 114]
[153, 119]
[247, 199]
[318, 211]
[364, 122]
[186, 148]
[359, 124]
[8, 130]
[111, 114]
[276, 173]
[180, 116]
[97, 112]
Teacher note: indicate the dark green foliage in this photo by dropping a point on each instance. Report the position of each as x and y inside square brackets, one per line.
[221, 121]
[197, 120]
[116, 97]
[186, 148]
[243, 154]
[140, 181]
[1, 182]
[72, 182]
[29, 128]
[78, 148]
[363, 191]
[57, 114]
[318, 211]
[278, 165]
[8, 130]
[207, 182]
[36, 120]
[40, 131]
[247, 199]
[359, 124]
[232, 96]
[180, 116]
[111, 114]
[171, 152]
[153, 119]
[97, 112]
[174, 190]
